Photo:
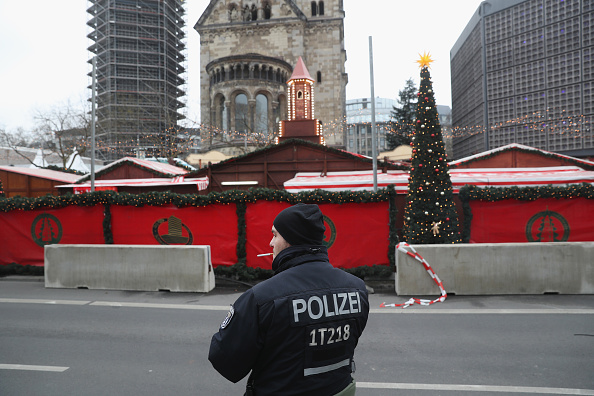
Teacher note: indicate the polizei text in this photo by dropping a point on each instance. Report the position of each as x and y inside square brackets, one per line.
[326, 307]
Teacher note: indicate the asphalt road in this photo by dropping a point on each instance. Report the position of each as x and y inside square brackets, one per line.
[93, 342]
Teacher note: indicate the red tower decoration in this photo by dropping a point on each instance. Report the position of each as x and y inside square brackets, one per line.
[301, 123]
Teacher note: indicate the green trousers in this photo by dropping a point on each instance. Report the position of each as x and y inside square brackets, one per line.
[349, 390]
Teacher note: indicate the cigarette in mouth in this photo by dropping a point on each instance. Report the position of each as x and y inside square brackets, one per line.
[265, 254]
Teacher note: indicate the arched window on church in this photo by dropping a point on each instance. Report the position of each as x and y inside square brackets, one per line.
[254, 12]
[241, 113]
[299, 94]
[261, 119]
[319, 76]
[267, 10]
[222, 123]
[320, 8]
[233, 12]
[314, 8]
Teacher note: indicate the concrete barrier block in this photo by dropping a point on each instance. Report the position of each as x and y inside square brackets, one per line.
[129, 267]
[502, 268]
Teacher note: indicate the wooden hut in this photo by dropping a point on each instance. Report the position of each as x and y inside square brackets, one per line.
[272, 166]
[33, 182]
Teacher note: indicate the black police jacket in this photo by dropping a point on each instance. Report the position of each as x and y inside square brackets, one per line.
[296, 331]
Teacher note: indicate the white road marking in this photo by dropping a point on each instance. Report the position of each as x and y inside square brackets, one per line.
[475, 388]
[56, 369]
[167, 306]
[384, 311]
[37, 301]
[474, 311]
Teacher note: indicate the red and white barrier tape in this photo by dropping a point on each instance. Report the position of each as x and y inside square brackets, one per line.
[413, 253]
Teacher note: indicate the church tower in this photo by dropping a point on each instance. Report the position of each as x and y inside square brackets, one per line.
[247, 52]
[301, 123]
[301, 93]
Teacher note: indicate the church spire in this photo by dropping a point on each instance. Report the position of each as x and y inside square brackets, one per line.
[300, 72]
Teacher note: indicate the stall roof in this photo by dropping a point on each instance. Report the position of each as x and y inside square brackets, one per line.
[43, 173]
[551, 158]
[155, 167]
[200, 182]
[481, 177]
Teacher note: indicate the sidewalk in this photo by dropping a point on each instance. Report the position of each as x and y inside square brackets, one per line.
[33, 287]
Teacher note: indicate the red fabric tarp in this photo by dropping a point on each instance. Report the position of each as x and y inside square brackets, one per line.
[24, 233]
[86, 189]
[542, 220]
[214, 225]
[357, 234]
[201, 183]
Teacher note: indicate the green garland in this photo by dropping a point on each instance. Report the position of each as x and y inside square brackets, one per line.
[240, 270]
[53, 201]
[394, 239]
[2, 195]
[492, 194]
[107, 233]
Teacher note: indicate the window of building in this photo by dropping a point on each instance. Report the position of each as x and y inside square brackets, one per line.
[261, 114]
[314, 8]
[320, 8]
[319, 75]
[233, 12]
[241, 113]
[267, 10]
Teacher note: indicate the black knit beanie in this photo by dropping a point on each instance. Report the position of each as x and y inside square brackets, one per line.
[301, 224]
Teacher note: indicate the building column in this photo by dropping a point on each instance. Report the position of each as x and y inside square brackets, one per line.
[273, 116]
[251, 113]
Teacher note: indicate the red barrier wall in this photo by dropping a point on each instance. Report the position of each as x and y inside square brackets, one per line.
[24, 233]
[541, 220]
[214, 225]
[356, 234]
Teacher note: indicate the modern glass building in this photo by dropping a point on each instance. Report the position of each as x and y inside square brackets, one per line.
[522, 73]
[359, 124]
[358, 112]
[139, 50]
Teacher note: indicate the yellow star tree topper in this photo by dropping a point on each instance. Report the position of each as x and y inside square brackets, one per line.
[425, 60]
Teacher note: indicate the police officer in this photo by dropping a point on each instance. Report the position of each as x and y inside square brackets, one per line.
[297, 331]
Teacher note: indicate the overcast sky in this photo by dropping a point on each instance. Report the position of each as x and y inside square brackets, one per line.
[43, 56]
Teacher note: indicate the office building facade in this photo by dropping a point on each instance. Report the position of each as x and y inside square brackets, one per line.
[522, 73]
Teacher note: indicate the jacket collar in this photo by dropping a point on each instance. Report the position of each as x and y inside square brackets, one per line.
[297, 255]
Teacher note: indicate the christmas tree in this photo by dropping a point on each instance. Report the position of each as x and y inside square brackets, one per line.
[430, 215]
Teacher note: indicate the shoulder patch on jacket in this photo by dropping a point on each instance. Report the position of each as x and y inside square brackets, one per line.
[228, 318]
